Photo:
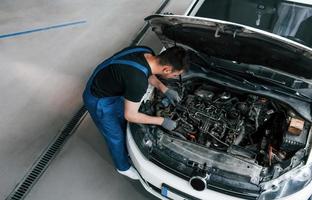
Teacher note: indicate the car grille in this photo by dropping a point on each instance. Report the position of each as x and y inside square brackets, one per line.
[176, 164]
[214, 184]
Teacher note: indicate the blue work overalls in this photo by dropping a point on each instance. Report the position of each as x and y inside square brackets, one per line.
[108, 112]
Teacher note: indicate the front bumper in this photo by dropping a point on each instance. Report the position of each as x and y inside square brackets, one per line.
[153, 175]
[153, 178]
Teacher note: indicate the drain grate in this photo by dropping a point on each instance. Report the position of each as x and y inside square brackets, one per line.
[46, 157]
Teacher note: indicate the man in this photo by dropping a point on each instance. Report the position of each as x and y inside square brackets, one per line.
[116, 87]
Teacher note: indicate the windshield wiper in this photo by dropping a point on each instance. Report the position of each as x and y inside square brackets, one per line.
[224, 72]
[228, 76]
[281, 85]
[266, 78]
[238, 75]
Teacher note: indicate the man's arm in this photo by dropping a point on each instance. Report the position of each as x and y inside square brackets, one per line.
[154, 81]
[132, 114]
[171, 94]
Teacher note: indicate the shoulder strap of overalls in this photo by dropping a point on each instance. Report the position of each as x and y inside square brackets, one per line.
[115, 60]
[129, 51]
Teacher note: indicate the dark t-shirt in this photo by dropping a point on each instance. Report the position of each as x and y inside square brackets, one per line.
[123, 80]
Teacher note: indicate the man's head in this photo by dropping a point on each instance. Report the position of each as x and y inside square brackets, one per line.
[173, 61]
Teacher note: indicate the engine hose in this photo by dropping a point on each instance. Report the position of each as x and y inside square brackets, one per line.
[241, 136]
[225, 144]
[178, 134]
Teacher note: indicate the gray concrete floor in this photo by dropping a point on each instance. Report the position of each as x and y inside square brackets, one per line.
[42, 77]
[84, 170]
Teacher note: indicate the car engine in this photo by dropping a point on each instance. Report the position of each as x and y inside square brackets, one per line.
[245, 125]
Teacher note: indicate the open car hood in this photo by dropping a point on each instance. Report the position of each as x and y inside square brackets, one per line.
[234, 42]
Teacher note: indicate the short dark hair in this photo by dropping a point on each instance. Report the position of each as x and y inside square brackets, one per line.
[176, 56]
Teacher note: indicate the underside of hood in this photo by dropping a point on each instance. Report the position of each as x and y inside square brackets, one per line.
[234, 42]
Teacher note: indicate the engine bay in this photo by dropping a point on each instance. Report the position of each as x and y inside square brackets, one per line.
[252, 127]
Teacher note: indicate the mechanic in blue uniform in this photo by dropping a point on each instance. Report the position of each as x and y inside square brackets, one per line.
[117, 85]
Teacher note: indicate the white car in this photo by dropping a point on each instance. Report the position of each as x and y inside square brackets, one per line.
[244, 122]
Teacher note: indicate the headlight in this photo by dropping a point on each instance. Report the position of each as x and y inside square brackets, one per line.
[142, 138]
[287, 184]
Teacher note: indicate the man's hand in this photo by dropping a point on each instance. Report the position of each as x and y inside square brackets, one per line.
[173, 96]
[169, 124]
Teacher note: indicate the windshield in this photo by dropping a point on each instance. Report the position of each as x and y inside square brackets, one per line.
[284, 18]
